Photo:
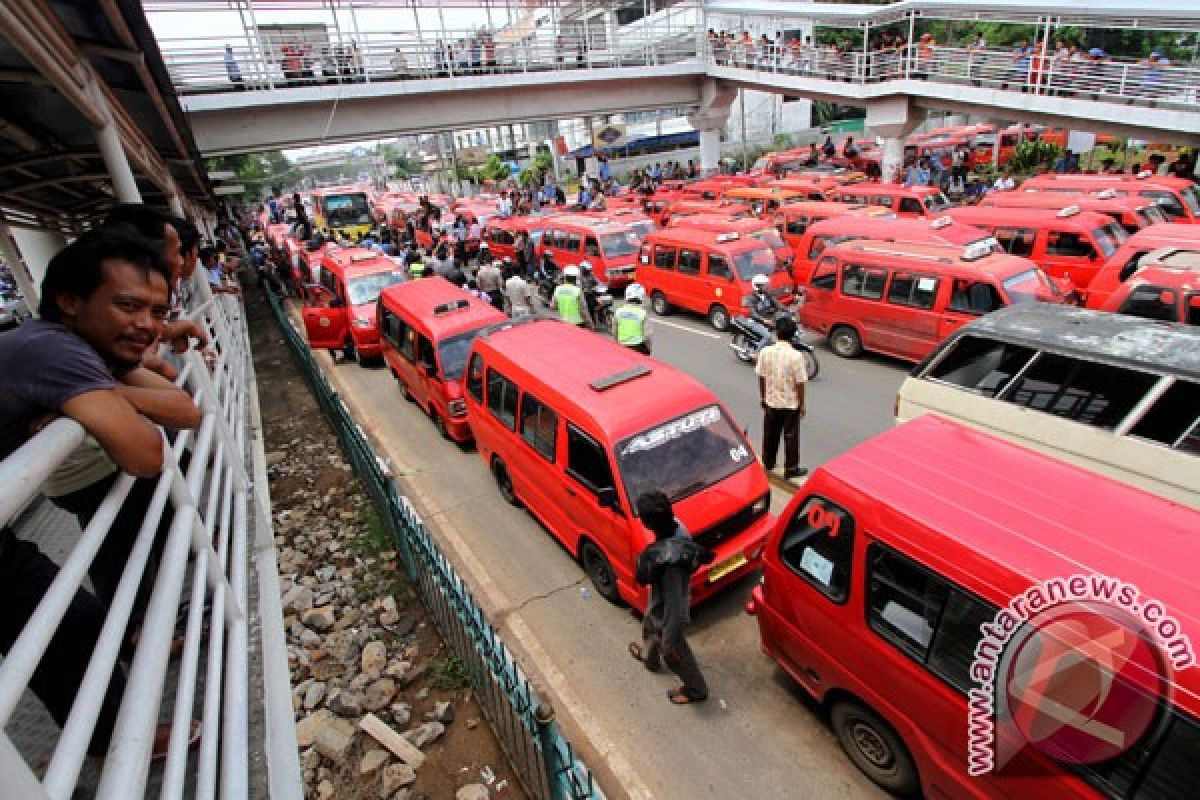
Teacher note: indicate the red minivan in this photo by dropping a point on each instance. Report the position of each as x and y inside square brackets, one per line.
[880, 575]
[427, 327]
[1179, 198]
[903, 201]
[339, 310]
[1124, 263]
[575, 427]
[747, 227]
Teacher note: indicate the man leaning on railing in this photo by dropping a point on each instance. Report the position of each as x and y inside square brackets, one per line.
[104, 303]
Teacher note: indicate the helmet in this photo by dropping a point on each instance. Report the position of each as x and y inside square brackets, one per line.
[571, 272]
[635, 293]
[585, 266]
[760, 281]
[507, 260]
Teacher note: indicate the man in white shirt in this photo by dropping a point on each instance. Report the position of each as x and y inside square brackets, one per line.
[781, 380]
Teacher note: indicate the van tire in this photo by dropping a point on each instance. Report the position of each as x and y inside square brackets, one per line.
[845, 341]
[599, 571]
[874, 747]
[718, 317]
[504, 483]
[439, 422]
[658, 302]
[349, 352]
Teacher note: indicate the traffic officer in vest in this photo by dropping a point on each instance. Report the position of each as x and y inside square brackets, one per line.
[568, 300]
[631, 325]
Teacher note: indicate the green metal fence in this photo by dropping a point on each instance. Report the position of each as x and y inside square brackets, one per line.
[524, 725]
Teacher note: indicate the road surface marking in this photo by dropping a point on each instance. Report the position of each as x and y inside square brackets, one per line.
[661, 321]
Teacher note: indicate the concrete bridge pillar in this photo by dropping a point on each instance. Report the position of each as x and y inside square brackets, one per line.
[892, 118]
[716, 98]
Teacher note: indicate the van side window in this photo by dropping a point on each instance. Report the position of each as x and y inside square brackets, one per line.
[502, 399]
[408, 342]
[1151, 302]
[923, 615]
[817, 247]
[539, 426]
[796, 226]
[664, 257]
[1066, 243]
[1016, 241]
[718, 267]
[910, 289]
[590, 247]
[573, 242]
[911, 205]
[1174, 419]
[425, 354]
[1090, 392]
[865, 282]
[825, 276]
[974, 298]
[984, 366]
[1131, 266]
[819, 547]
[689, 262]
[475, 378]
[586, 461]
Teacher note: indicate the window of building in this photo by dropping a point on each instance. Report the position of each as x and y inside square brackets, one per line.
[664, 257]
[864, 282]
[475, 378]
[502, 399]
[1152, 302]
[539, 426]
[1090, 392]
[819, 547]
[587, 462]
[984, 366]
[911, 289]
[689, 262]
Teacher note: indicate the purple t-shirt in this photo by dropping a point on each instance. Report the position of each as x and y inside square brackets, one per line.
[42, 366]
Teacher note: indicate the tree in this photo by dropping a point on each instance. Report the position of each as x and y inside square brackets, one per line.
[262, 173]
[494, 169]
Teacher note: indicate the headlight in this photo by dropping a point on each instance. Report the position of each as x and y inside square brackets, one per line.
[362, 323]
[457, 407]
[762, 504]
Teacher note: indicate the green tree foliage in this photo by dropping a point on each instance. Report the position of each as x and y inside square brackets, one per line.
[494, 169]
[1027, 156]
[403, 165]
[261, 173]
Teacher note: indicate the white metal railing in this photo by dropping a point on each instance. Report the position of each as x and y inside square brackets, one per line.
[212, 501]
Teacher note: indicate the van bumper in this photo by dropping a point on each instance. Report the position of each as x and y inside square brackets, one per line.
[748, 545]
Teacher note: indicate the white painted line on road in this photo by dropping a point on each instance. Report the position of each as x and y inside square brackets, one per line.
[661, 321]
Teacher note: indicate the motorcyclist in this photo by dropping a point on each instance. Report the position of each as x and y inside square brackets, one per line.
[568, 300]
[761, 302]
[631, 325]
[589, 284]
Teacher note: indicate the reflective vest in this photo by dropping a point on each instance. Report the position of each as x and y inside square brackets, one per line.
[631, 325]
[567, 299]
[416, 269]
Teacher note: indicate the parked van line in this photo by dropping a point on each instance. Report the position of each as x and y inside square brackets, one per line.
[1166, 287]
[427, 327]
[706, 272]
[751, 228]
[1133, 213]
[576, 427]
[339, 312]
[1070, 243]
[904, 201]
[881, 571]
[902, 299]
[1124, 263]
[1112, 393]
[793, 219]
[1179, 198]
[761, 200]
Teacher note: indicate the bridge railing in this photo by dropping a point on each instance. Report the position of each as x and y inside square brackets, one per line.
[1127, 80]
[207, 507]
[204, 66]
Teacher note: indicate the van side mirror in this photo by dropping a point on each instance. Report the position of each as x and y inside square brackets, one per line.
[607, 497]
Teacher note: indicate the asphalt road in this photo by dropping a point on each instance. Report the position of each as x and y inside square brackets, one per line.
[758, 736]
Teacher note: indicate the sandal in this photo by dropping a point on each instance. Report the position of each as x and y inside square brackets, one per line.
[680, 697]
[635, 650]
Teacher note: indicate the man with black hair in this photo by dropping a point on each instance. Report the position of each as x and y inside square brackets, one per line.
[103, 305]
[666, 566]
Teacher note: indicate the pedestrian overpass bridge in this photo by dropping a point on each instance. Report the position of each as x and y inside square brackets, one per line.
[376, 85]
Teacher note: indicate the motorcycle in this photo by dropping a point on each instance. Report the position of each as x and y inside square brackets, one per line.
[751, 334]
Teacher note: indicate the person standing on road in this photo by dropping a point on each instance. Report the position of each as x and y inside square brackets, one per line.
[491, 282]
[519, 294]
[568, 300]
[781, 380]
[666, 566]
[631, 324]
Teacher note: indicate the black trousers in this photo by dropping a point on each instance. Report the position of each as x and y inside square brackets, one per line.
[25, 575]
[785, 422]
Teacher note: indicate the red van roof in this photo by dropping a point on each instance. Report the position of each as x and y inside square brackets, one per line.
[461, 311]
[900, 230]
[1164, 235]
[951, 260]
[700, 237]
[964, 501]
[1036, 218]
[885, 189]
[566, 359]
[357, 261]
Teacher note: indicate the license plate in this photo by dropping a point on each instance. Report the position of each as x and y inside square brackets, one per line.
[723, 568]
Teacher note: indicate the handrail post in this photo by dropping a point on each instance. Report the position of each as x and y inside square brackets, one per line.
[547, 731]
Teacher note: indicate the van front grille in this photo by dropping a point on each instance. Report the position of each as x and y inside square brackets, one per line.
[732, 525]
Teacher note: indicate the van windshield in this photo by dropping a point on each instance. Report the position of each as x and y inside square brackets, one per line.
[366, 288]
[770, 237]
[759, 261]
[615, 245]
[642, 227]
[1191, 198]
[452, 353]
[683, 456]
[1109, 237]
[1023, 287]
[1169, 204]
[937, 202]
[347, 209]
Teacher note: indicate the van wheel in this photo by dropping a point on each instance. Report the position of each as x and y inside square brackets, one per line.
[874, 747]
[845, 342]
[504, 483]
[718, 317]
[348, 350]
[599, 572]
[440, 423]
[658, 302]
